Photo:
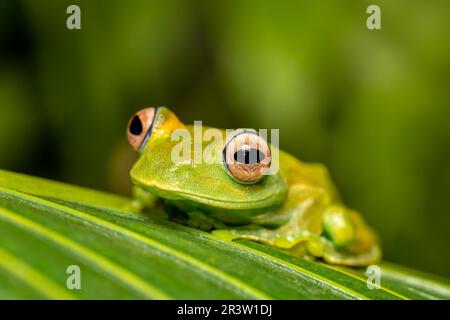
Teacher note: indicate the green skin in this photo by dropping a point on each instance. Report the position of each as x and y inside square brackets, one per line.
[298, 209]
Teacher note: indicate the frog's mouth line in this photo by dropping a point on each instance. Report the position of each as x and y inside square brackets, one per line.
[178, 195]
[259, 204]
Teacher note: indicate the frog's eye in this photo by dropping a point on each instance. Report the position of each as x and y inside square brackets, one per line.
[246, 156]
[139, 127]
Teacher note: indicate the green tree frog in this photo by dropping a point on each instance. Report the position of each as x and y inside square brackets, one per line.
[296, 209]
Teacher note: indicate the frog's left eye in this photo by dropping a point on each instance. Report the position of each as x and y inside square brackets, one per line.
[139, 127]
[246, 156]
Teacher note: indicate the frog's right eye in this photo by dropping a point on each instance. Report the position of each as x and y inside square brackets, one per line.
[140, 127]
[246, 156]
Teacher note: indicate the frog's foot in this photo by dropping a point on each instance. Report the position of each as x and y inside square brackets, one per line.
[142, 201]
[202, 221]
[263, 235]
[352, 241]
[274, 237]
[304, 244]
[322, 247]
[133, 206]
[352, 259]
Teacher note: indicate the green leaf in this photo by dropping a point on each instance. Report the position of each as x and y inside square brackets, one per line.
[47, 226]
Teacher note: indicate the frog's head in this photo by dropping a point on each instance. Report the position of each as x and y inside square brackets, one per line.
[233, 179]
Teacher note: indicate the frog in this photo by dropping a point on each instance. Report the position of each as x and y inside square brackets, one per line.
[295, 208]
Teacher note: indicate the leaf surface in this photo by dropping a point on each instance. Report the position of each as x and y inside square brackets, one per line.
[47, 226]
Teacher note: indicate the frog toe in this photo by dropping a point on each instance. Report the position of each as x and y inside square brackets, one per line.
[259, 235]
[342, 257]
[225, 235]
[133, 206]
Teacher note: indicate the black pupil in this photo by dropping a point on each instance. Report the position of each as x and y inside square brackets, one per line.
[249, 156]
[136, 126]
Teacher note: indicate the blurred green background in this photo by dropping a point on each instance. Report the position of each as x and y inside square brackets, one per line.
[372, 105]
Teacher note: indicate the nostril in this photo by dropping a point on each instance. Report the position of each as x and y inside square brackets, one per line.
[136, 126]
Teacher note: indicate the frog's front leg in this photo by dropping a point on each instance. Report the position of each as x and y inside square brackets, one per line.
[141, 201]
[298, 220]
